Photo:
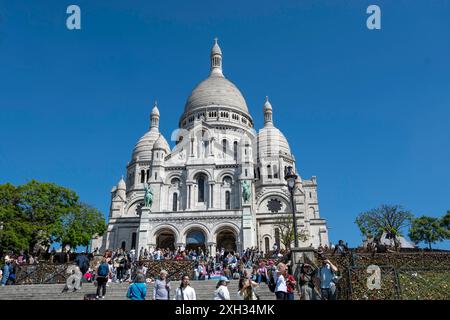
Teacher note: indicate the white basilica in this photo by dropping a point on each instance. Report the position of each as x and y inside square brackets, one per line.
[197, 186]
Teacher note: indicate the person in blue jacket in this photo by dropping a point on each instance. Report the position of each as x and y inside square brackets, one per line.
[138, 289]
[5, 269]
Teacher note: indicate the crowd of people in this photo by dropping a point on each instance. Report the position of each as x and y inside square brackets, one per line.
[11, 262]
[251, 267]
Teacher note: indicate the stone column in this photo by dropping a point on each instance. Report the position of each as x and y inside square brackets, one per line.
[144, 228]
[212, 248]
[301, 255]
[211, 194]
[189, 195]
[248, 228]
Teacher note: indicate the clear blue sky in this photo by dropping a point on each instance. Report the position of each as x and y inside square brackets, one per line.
[367, 112]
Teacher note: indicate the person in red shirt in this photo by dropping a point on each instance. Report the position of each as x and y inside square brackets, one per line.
[290, 284]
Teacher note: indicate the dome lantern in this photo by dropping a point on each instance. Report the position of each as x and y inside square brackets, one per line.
[267, 113]
[216, 59]
[154, 118]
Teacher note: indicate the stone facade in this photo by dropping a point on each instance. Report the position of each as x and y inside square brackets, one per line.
[197, 185]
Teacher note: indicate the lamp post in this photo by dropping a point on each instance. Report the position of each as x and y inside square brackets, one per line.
[291, 177]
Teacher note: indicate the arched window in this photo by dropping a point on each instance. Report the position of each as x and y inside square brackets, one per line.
[227, 181]
[175, 182]
[266, 244]
[275, 171]
[201, 188]
[148, 175]
[312, 213]
[227, 200]
[175, 201]
[142, 176]
[123, 245]
[259, 174]
[235, 150]
[224, 146]
[269, 172]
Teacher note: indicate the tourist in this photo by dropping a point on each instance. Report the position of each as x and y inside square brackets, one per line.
[221, 292]
[307, 289]
[290, 284]
[262, 273]
[327, 275]
[5, 273]
[102, 278]
[12, 271]
[340, 248]
[227, 273]
[280, 282]
[185, 291]
[245, 291]
[120, 265]
[161, 289]
[201, 271]
[82, 262]
[88, 275]
[138, 289]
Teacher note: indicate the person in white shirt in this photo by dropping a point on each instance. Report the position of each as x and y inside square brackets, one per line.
[222, 292]
[280, 280]
[185, 291]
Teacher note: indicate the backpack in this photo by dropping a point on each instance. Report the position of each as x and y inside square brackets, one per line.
[103, 270]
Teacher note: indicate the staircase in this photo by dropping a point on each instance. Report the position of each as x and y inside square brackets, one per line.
[116, 291]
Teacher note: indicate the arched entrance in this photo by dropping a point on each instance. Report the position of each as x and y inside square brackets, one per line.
[226, 239]
[166, 239]
[195, 239]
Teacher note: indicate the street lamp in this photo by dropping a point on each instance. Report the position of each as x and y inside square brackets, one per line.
[291, 177]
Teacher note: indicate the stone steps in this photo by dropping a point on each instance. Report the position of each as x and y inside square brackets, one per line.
[116, 291]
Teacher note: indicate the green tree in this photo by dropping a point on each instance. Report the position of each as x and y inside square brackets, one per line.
[386, 218]
[43, 213]
[286, 226]
[44, 204]
[14, 229]
[77, 227]
[427, 229]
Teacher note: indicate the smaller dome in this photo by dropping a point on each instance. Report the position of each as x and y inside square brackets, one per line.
[146, 144]
[121, 185]
[162, 144]
[267, 105]
[144, 147]
[272, 142]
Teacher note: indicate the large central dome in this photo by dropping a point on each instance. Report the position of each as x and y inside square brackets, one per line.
[216, 90]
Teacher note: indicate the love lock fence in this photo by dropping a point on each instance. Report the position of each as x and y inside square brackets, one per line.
[393, 276]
